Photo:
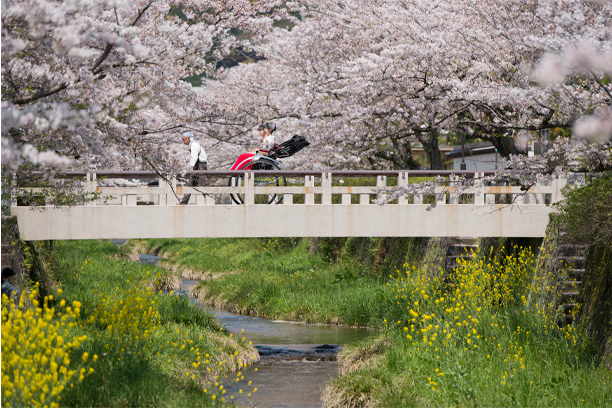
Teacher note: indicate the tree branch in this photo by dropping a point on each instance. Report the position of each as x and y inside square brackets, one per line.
[101, 59]
[42, 94]
[600, 84]
[96, 67]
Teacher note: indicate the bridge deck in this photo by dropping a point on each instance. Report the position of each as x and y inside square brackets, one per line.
[211, 214]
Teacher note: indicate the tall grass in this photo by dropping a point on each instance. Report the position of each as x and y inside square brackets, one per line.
[280, 280]
[473, 339]
[131, 345]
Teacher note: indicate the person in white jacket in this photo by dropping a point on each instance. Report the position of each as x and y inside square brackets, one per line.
[197, 161]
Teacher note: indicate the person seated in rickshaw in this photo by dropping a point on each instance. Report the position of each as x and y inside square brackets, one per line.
[265, 147]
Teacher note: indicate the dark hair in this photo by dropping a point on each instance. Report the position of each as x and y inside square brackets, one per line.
[7, 272]
[270, 126]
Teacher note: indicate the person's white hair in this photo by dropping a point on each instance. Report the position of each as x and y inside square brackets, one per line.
[188, 134]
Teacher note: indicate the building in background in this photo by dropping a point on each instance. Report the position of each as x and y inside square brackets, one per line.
[478, 156]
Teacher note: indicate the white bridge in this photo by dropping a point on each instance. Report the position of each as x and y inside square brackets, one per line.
[304, 204]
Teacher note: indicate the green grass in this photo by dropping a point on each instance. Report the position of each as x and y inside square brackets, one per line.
[401, 375]
[279, 279]
[132, 370]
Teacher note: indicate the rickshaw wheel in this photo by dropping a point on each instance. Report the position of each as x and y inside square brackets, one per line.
[260, 181]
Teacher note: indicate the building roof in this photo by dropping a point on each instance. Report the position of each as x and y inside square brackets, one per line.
[472, 149]
[443, 148]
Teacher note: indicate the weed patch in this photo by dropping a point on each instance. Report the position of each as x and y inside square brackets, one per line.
[473, 339]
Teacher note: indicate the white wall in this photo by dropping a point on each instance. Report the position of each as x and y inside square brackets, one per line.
[480, 162]
[190, 221]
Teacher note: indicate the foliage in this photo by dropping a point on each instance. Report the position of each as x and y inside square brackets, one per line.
[278, 244]
[330, 248]
[474, 340]
[586, 212]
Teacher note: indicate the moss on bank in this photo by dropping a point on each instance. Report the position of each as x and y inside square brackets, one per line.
[595, 315]
[323, 280]
[383, 255]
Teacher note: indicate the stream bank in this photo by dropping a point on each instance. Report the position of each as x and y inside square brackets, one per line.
[249, 277]
[296, 360]
[393, 368]
[123, 343]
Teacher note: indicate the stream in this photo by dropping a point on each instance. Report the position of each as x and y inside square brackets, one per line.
[297, 360]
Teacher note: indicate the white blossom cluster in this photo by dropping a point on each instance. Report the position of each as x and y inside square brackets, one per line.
[14, 156]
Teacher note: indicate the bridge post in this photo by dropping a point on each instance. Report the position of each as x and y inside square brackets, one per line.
[491, 198]
[418, 199]
[381, 182]
[453, 197]
[326, 185]
[346, 199]
[200, 199]
[364, 199]
[479, 197]
[402, 181]
[209, 199]
[556, 194]
[441, 198]
[539, 198]
[91, 187]
[309, 182]
[518, 199]
[535, 198]
[249, 184]
[163, 198]
[129, 199]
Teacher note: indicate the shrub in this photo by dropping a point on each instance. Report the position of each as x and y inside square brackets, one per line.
[586, 212]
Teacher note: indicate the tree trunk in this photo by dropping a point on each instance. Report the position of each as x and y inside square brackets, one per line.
[430, 145]
[504, 144]
[402, 157]
[407, 159]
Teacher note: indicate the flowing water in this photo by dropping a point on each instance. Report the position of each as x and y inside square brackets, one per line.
[297, 360]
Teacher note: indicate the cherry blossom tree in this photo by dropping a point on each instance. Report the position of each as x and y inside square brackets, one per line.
[367, 80]
[99, 84]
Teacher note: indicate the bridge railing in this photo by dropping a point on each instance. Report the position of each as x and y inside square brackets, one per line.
[312, 188]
